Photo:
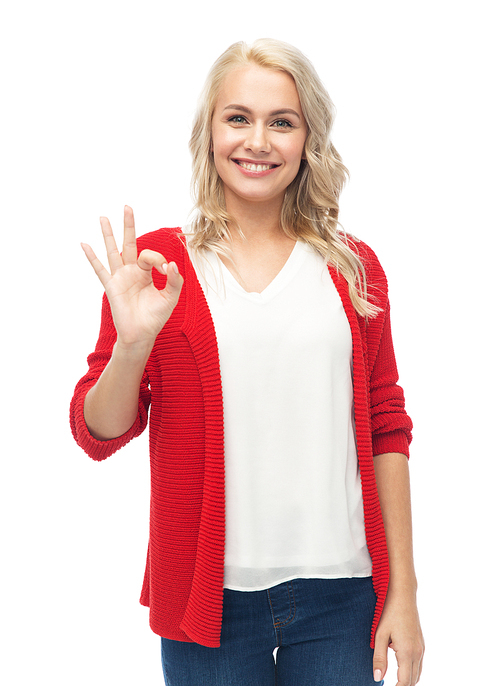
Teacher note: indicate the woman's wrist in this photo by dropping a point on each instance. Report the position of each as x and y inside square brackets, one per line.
[403, 585]
[131, 353]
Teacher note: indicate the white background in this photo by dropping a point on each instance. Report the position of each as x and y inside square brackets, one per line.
[98, 99]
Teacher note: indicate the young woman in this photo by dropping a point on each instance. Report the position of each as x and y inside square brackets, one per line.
[259, 339]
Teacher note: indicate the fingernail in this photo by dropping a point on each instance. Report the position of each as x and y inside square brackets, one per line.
[165, 267]
[377, 675]
[175, 268]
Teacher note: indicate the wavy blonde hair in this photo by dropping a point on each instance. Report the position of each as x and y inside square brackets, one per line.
[310, 207]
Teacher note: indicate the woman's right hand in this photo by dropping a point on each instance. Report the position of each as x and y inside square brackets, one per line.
[139, 309]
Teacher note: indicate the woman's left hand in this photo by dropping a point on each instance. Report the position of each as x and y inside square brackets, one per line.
[399, 629]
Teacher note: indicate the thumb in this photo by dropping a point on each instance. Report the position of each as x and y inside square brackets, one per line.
[380, 656]
[174, 280]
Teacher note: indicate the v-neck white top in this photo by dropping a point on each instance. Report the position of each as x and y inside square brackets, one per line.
[294, 507]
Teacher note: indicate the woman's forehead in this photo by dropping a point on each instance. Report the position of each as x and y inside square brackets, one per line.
[253, 86]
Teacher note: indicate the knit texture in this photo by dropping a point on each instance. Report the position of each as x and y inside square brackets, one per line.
[181, 385]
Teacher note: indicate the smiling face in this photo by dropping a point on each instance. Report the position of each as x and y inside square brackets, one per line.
[258, 135]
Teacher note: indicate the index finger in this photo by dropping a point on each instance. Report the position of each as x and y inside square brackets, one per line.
[129, 253]
[407, 672]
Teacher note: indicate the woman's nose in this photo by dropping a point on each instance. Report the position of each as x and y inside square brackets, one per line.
[257, 139]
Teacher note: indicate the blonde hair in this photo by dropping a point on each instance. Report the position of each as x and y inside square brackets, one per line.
[310, 207]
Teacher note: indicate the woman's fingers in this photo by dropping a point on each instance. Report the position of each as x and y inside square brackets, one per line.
[149, 259]
[380, 655]
[139, 309]
[174, 282]
[129, 253]
[114, 257]
[129, 265]
[97, 265]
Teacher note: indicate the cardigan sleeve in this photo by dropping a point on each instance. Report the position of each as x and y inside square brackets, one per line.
[97, 361]
[391, 425]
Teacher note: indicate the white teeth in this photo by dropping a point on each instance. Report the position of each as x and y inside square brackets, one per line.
[255, 167]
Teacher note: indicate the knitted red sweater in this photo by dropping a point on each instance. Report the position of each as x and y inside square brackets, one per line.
[183, 583]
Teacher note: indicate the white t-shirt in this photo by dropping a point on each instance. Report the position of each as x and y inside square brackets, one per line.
[294, 507]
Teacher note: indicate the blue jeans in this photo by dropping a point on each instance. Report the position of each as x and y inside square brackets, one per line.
[321, 628]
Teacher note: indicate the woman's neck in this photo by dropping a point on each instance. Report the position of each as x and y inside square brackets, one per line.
[259, 222]
[257, 256]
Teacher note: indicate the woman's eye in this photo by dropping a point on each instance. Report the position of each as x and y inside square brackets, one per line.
[278, 124]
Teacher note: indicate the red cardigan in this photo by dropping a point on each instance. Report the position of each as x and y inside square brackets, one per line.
[183, 582]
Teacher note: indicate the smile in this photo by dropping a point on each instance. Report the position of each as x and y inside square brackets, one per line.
[255, 167]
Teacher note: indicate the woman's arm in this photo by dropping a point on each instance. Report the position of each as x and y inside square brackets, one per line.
[399, 626]
[139, 312]
[111, 405]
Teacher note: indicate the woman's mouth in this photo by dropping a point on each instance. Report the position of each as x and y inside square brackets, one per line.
[255, 167]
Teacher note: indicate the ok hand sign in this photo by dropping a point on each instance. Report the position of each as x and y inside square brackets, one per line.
[139, 309]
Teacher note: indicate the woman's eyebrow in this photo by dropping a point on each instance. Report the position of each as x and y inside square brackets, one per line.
[238, 107]
[242, 108]
[285, 110]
